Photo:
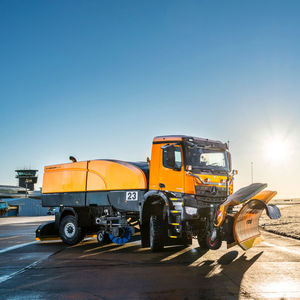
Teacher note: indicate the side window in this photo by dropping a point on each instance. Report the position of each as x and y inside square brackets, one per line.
[172, 158]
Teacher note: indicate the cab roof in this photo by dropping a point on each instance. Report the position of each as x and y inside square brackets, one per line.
[199, 141]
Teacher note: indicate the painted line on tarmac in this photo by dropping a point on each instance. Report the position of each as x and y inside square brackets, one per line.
[9, 237]
[10, 276]
[17, 247]
[281, 248]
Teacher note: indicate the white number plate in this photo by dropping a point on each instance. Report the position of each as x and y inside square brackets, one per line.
[132, 196]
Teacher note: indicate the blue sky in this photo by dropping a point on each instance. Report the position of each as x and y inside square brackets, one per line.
[99, 79]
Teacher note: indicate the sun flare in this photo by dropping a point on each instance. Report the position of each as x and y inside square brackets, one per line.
[277, 149]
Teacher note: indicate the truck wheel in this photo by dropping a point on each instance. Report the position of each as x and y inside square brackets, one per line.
[156, 233]
[69, 231]
[145, 240]
[206, 242]
[187, 241]
[102, 238]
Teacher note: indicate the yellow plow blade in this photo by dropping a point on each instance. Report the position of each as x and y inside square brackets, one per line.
[246, 222]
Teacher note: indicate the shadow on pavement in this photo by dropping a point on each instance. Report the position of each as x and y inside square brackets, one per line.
[90, 271]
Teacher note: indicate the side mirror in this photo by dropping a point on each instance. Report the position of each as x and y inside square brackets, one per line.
[229, 160]
[188, 168]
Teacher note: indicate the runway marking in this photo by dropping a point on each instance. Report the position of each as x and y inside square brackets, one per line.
[9, 237]
[10, 276]
[177, 253]
[86, 241]
[17, 247]
[281, 248]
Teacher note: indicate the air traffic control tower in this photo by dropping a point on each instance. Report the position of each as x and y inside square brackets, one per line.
[27, 178]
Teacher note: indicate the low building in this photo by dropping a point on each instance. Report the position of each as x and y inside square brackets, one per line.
[22, 200]
[24, 207]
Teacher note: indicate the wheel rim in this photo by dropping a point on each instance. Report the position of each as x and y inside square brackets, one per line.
[212, 244]
[69, 230]
[100, 237]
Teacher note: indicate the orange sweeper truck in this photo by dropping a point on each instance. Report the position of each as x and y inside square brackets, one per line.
[185, 191]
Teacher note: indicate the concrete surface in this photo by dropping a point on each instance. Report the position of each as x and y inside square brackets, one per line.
[36, 270]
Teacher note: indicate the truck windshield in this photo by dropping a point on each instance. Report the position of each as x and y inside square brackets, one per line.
[206, 159]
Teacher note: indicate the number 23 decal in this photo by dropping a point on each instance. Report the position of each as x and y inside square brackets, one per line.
[132, 196]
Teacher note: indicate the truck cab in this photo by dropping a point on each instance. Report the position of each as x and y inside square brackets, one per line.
[189, 178]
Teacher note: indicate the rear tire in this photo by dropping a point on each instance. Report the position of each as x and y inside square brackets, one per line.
[156, 233]
[69, 230]
[205, 242]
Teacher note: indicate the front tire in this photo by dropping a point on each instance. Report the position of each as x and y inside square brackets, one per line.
[145, 237]
[69, 230]
[206, 243]
[156, 233]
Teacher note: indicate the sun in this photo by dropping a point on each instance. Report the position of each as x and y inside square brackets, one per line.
[277, 149]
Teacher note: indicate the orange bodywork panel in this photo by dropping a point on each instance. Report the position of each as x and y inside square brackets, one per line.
[108, 175]
[172, 180]
[94, 175]
[167, 138]
[62, 178]
[154, 163]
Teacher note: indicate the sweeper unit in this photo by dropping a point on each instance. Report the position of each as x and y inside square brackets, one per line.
[185, 191]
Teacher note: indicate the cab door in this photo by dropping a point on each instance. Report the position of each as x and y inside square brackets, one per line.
[171, 173]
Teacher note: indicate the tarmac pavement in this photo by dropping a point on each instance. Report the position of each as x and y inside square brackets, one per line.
[52, 270]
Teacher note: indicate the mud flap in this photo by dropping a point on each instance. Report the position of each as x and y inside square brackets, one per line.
[47, 231]
[246, 221]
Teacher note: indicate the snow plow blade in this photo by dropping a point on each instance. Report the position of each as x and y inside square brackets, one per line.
[246, 222]
[46, 232]
[242, 228]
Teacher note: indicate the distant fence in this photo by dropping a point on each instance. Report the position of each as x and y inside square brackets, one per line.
[286, 201]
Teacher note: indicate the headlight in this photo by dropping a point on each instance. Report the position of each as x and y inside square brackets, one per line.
[191, 210]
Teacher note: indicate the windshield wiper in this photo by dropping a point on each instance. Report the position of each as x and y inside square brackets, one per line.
[203, 168]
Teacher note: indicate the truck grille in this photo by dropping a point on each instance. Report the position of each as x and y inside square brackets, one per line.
[210, 193]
